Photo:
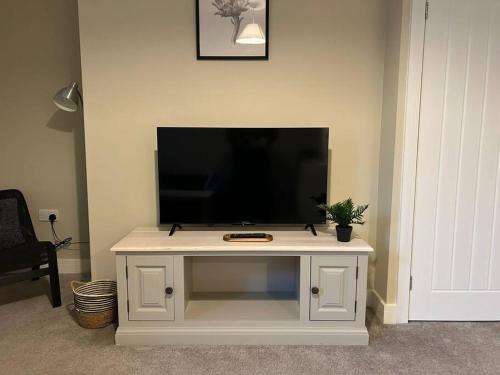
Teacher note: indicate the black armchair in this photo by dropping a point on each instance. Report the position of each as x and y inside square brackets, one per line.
[20, 249]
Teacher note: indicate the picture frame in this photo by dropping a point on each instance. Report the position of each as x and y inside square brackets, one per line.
[232, 29]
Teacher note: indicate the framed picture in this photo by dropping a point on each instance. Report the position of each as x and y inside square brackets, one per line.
[232, 29]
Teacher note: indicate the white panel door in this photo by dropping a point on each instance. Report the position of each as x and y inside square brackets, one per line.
[456, 248]
[148, 279]
[333, 287]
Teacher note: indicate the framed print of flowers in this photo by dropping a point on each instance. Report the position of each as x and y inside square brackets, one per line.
[232, 29]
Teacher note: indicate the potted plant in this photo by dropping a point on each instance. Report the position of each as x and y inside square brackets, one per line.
[344, 214]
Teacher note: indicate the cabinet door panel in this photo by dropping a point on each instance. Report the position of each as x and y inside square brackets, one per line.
[335, 277]
[148, 278]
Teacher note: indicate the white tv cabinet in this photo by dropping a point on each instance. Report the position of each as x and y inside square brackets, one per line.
[195, 288]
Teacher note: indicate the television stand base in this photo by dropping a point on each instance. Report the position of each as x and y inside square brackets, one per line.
[196, 289]
[174, 228]
[311, 228]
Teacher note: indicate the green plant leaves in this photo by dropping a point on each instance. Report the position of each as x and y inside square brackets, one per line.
[344, 213]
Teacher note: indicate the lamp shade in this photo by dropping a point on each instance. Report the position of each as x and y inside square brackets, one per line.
[251, 34]
[68, 98]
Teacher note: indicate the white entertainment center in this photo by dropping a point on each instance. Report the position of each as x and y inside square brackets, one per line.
[195, 288]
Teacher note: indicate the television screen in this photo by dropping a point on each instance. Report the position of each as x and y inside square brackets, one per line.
[242, 175]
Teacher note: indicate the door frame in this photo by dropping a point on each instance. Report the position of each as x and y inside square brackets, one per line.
[407, 155]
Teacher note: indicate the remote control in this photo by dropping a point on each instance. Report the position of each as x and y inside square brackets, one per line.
[247, 235]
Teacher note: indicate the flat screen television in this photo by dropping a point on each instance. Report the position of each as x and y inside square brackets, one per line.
[242, 175]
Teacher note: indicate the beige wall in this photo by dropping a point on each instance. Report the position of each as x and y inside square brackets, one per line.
[394, 251]
[396, 61]
[387, 140]
[140, 71]
[42, 148]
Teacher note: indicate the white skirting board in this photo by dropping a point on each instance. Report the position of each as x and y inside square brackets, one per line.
[240, 336]
[385, 312]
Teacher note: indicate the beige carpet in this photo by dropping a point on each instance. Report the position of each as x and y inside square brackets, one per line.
[36, 339]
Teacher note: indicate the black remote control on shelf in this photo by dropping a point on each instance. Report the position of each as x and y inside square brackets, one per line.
[248, 235]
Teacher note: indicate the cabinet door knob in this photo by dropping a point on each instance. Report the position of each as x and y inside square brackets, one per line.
[314, 290]
[169, 290]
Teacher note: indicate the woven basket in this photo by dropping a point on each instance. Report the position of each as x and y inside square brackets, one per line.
[95, 302]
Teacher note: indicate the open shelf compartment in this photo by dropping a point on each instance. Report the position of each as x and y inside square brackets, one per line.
[242, 288]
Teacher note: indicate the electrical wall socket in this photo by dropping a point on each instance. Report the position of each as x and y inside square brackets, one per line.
[43, 214]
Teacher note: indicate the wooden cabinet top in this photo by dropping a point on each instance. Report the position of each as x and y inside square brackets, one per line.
[211, 241]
